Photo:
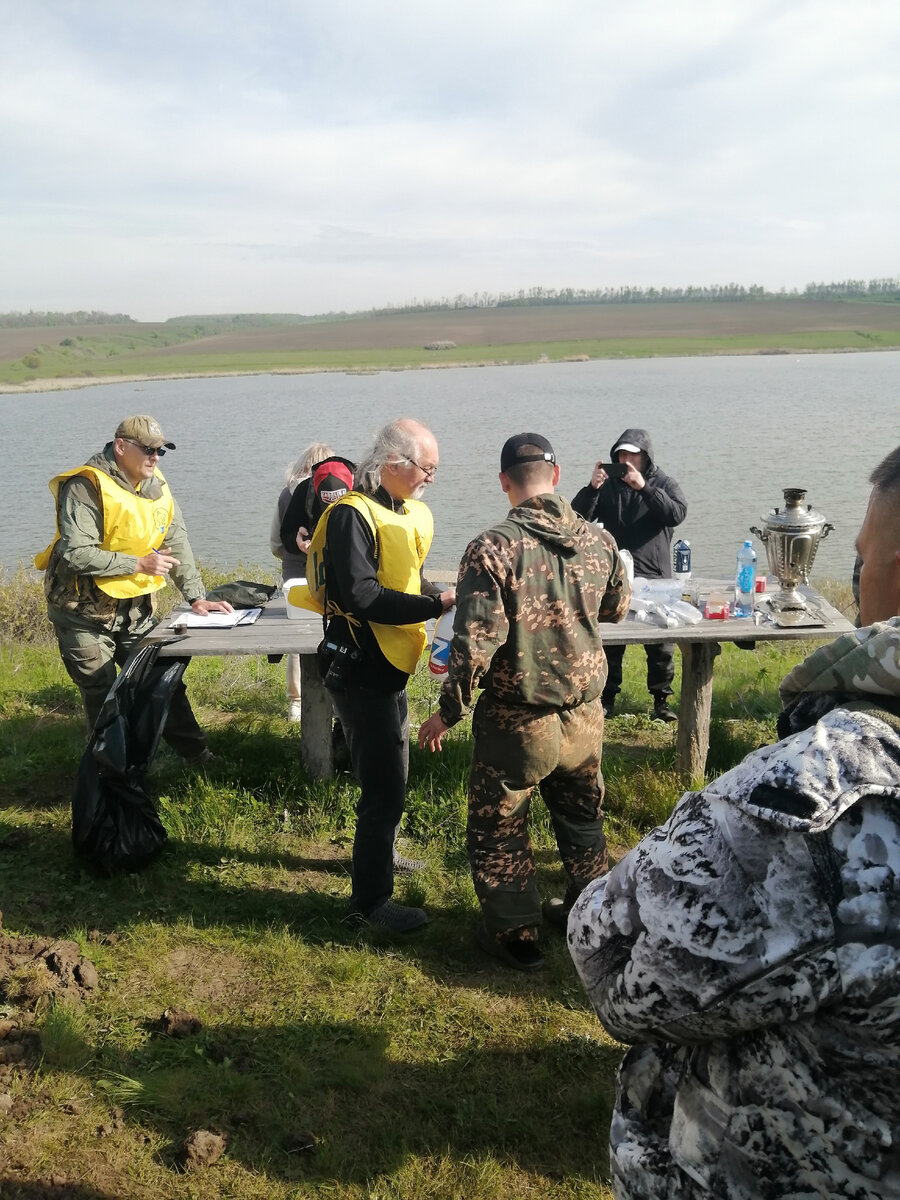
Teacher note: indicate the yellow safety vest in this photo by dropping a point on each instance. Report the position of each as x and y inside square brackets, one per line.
[132, 524]
[402, 540]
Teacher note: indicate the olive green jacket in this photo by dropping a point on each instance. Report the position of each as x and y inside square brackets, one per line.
[77, 558]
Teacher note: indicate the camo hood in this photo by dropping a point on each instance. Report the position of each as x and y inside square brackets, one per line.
[551, 521]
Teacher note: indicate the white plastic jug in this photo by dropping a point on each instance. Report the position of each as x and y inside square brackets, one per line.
[438, 663]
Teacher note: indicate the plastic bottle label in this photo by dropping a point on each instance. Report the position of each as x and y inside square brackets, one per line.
[745, 578]
[438, 664]
[682, 558]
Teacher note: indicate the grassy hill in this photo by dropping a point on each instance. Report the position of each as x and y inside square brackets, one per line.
[209, 345]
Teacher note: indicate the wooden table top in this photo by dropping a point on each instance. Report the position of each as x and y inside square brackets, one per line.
[276, 633]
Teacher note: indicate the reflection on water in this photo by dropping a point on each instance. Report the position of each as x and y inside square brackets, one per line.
[734, 431]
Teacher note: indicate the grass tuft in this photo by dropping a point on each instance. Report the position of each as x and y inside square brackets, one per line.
[64, 1037]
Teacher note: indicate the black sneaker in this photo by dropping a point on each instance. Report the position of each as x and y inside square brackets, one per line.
[205, 758]
[662, 712]
[520, 954]
[609, 707]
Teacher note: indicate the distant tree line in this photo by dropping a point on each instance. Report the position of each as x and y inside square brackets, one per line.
[854, 289]
[18, 320]
[886, 289]
[848, 289]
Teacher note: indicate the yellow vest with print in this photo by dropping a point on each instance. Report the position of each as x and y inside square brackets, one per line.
[132, 524]
[402, 540]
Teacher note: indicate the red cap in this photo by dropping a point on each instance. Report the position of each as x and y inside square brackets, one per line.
[332, 479]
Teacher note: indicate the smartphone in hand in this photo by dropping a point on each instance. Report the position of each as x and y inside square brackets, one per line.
[615, 470]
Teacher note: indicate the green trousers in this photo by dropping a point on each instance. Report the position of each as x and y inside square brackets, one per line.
[92, 653]
[518, 749]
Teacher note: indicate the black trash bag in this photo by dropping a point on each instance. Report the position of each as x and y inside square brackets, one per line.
[241, 593]
[114, 822]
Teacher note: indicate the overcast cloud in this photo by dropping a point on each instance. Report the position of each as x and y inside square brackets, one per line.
[296, 156]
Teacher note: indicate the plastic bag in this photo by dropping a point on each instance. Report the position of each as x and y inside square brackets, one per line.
[114, 822]
[241, 593]
[662, 613]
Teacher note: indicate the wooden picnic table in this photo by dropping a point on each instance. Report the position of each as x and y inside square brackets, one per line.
[274, 633]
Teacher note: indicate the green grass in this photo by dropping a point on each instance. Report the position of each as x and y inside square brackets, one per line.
[419, 1068]
[125, 354]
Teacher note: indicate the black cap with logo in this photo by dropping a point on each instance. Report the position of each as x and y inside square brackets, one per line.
[521, 449]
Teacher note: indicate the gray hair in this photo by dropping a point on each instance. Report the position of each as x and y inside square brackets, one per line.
[303, 466]
[393, 443]
[886, 477]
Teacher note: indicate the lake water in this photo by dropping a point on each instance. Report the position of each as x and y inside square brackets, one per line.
[734, 431]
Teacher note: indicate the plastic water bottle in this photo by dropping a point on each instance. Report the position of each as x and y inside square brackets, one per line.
[438, 662]
[682, 560]
[745, 581]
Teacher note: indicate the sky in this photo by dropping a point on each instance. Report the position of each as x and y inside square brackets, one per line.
[214, 156]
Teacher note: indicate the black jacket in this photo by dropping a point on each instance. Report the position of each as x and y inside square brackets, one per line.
[641, 522]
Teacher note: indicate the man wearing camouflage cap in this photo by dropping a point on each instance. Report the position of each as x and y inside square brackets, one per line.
[749, 949]
[531, 596]
[120, 537]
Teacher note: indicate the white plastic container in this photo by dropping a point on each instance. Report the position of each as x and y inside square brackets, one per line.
[294, 611]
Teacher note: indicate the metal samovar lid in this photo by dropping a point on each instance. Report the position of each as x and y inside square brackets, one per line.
[794, 517]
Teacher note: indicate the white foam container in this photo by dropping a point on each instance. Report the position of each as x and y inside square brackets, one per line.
[294, 611]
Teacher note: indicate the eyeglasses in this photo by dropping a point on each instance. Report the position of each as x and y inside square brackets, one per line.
[148, 450]
[428, 472]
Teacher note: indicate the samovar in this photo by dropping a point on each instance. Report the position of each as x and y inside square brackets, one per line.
[791, 537]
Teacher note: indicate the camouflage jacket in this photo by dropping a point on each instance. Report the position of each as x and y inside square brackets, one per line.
[530, 598]
[77, 558]
[750, 948]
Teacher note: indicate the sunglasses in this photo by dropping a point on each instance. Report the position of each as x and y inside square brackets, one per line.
[148, 450]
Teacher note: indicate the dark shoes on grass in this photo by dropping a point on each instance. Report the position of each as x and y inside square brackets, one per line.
[205, 758]
[661, 710]
[556, 913]
[396, 918]
[520, 954]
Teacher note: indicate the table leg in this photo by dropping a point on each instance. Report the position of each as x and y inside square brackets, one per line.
[692, 743]
[315, 720]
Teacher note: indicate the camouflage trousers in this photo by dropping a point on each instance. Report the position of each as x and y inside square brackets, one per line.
[91, 654]
[517, 749]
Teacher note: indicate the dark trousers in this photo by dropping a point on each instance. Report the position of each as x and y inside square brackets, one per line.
[517, 749]
[376, 726]
[660, 669]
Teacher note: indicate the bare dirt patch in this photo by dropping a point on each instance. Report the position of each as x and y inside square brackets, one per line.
[202, 1149]
[34, 969]
[203, 976]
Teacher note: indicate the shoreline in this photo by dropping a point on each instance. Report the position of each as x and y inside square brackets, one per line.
[76, 382]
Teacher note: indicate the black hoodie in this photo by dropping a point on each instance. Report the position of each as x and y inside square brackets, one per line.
[641, 522]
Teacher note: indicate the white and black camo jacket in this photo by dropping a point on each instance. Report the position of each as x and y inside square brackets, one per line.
[749, 950]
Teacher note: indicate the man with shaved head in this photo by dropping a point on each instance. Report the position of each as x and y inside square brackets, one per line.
[365, 566]
[749, 949]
